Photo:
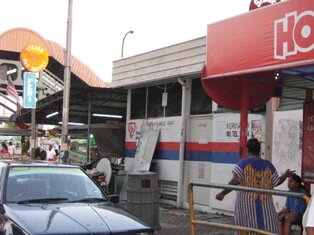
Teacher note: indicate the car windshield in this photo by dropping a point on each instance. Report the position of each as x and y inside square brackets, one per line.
[50, 185]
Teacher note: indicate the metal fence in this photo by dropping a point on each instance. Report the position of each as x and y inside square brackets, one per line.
[243, 230]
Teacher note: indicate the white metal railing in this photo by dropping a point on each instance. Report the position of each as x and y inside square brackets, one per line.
[243, 230]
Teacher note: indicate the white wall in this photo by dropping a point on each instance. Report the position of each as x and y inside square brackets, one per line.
[199, 130]
[221, 129]
[221, 174]
[287, 144]
[169, 62]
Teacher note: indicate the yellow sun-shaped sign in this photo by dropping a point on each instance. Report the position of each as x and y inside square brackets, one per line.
[34, 58]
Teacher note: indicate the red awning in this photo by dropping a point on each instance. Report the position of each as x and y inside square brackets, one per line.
[254, 46]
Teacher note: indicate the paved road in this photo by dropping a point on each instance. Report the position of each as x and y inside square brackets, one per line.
[176, 221]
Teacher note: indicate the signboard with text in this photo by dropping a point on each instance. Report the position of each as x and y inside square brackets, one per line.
[226, 127]
[34, 58]
[29, 94]
[285, 37]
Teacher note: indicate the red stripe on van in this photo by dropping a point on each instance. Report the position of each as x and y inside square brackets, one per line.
[193, 146]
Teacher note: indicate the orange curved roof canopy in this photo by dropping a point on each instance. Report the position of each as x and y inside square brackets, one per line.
[17, 39]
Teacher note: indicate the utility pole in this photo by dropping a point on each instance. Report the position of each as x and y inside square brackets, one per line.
[67, 84]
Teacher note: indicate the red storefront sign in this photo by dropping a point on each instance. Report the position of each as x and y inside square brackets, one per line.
[244, 54]
[273, 37]
[253, 46]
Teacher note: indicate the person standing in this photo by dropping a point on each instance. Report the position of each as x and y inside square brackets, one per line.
[37, 153]
[11, 150]
[252, 209]
[43, 155]
[4, 150]
[51, 153]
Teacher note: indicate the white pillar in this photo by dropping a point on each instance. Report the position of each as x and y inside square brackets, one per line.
[182, 143]
[271, 106]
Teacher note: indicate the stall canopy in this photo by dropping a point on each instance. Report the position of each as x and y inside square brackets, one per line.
[88, 92]
[246, 54]
[254, 47]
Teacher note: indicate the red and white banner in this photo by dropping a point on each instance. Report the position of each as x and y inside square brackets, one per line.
[270, 38]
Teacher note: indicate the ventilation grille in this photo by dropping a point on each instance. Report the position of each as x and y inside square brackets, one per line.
[168, 189]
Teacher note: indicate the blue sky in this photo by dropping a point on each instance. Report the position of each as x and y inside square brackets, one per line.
[98, 26]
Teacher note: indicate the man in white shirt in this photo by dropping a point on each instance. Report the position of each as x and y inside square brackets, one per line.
[51, 154]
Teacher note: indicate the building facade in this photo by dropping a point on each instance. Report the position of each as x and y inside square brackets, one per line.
[199, 140]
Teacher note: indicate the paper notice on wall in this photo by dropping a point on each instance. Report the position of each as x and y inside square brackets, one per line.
[203, 139]
[227, 127]
[201, 170]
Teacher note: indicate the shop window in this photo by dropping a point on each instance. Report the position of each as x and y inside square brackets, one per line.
[173, 107]
[174, 99]
[154, 104]
[154, 101]
[138, 103]
[200, 102]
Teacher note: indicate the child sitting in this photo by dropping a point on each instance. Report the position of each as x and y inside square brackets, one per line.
[293, 211]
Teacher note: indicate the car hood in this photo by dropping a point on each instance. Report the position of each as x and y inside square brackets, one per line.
[73, 218]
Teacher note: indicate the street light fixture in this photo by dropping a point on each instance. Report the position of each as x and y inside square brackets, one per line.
[131, 32]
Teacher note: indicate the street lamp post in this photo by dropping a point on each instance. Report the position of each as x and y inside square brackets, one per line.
[131, 32]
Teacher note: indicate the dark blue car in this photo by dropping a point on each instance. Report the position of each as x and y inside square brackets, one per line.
[45, 198]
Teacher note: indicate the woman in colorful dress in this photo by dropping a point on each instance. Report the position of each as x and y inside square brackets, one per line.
[255, 210]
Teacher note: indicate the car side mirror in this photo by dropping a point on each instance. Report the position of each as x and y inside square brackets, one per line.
[114, 198]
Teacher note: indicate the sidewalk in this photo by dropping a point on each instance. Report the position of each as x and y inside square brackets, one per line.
[176, 221]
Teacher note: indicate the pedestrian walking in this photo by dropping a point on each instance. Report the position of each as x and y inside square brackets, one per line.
[252, 209]
[4, 150]
[11, 149]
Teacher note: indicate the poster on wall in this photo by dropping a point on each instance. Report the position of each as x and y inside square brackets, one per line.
[287, 141]
[287, 146]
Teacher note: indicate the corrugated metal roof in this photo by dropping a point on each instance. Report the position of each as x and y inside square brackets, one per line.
[16, 39]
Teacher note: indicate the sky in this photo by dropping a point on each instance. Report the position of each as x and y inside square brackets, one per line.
[98, 26]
